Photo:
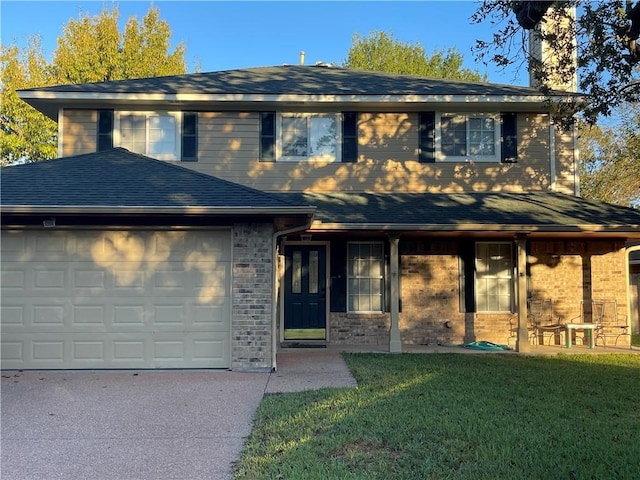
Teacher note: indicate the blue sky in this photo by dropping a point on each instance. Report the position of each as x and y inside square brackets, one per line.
[227, 35]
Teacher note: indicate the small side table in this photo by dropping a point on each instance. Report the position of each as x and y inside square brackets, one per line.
[588, 329]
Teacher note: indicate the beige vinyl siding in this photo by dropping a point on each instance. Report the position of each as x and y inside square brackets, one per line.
[80, 131]
[565, 181]
[228, 147]
[227, 144]
[387, 159]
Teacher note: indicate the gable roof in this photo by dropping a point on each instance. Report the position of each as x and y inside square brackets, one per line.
[309, 84]
[470, 212]
[118, 181]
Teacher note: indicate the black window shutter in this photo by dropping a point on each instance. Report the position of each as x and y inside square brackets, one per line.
[426, 137]
[267, 137]
[338, 276]
[467, 255]
[349, 137]
[105, 130]
[189, 137]
[509, 138]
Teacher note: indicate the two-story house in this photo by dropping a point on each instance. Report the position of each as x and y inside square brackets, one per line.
[203, 220]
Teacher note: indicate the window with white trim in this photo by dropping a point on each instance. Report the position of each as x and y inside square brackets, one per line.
[156, 134]
[308, 136]
[464, 137]
[494, 277]
[365, 277]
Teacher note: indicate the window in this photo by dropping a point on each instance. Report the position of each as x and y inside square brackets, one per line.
[308, 136]
[365, 277]
[468, 137]
[154, 134]
[494, 277]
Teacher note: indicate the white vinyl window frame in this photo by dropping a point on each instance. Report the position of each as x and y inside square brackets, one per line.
[174, 134]
[313, 124]
[494, 142]
[494, 277]
[365, 277]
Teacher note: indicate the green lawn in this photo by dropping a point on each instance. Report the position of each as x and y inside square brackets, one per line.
[453, 416]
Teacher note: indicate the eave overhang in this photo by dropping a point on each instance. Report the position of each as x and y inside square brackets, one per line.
[50, 102]
[609, 231]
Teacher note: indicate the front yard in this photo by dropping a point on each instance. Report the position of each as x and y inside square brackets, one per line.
[438, 416]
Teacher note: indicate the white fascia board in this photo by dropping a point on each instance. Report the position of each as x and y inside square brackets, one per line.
[260, 98]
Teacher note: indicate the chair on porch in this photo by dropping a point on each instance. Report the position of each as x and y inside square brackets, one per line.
[543, 321]
[610, 322]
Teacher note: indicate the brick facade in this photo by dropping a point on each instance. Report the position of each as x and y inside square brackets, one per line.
[565, 271]
[359, 328]
[251, 346]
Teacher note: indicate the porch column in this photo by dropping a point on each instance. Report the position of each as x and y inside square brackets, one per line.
[522, 341]
[395, 343]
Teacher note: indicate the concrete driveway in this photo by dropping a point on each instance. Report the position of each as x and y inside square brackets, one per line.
[126, 424]
[143, 425]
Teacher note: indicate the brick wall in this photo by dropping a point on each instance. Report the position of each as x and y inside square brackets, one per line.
[565, 271]
[359, 328]
[569, 272]
[430, 294]
[252, 297]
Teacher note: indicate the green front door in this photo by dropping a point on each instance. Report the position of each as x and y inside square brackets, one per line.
[305, 313]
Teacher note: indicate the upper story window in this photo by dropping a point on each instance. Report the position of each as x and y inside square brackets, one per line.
[308, 136]
[468, 137]
[161, 135]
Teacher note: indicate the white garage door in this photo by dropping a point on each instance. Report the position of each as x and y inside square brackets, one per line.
[116, 299]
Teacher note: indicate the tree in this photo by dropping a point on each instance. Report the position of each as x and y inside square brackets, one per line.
[24, 132]
[90, 49]
[381, 52]
[610, 160]
[602, 47]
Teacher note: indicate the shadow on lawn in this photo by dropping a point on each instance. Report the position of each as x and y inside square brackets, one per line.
[468, 416]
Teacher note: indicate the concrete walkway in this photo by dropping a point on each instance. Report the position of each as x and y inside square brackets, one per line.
[155, 425]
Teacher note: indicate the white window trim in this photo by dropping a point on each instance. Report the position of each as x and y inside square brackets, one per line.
[322, 158]
[178, 119]
[382, 277]
[511, 280]
[440, 157]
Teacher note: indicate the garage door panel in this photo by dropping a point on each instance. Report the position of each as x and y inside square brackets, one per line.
[165, 350]
[137, 299]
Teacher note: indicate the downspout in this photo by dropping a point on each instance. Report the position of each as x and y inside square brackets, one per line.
[274, 282]
[552, 155]
[576, 163]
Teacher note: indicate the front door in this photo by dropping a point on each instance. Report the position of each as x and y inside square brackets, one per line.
[305, 292]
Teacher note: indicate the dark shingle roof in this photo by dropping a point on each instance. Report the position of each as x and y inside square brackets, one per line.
[119, 178]
[439, 211]
[298, 80]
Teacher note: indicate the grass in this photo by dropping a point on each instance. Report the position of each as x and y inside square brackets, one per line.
[443, 416]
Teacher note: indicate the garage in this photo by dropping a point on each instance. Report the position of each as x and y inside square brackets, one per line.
[85, 299]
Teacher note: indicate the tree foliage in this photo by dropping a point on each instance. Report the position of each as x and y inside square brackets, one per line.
[610, 160]
[602, 48]
[381, 52]
[24, 132]
[90, 49]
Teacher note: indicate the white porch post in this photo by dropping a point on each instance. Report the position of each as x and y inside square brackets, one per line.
[522, 341]
[395, 343]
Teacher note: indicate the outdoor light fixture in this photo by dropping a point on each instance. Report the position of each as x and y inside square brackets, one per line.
[49, 223]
